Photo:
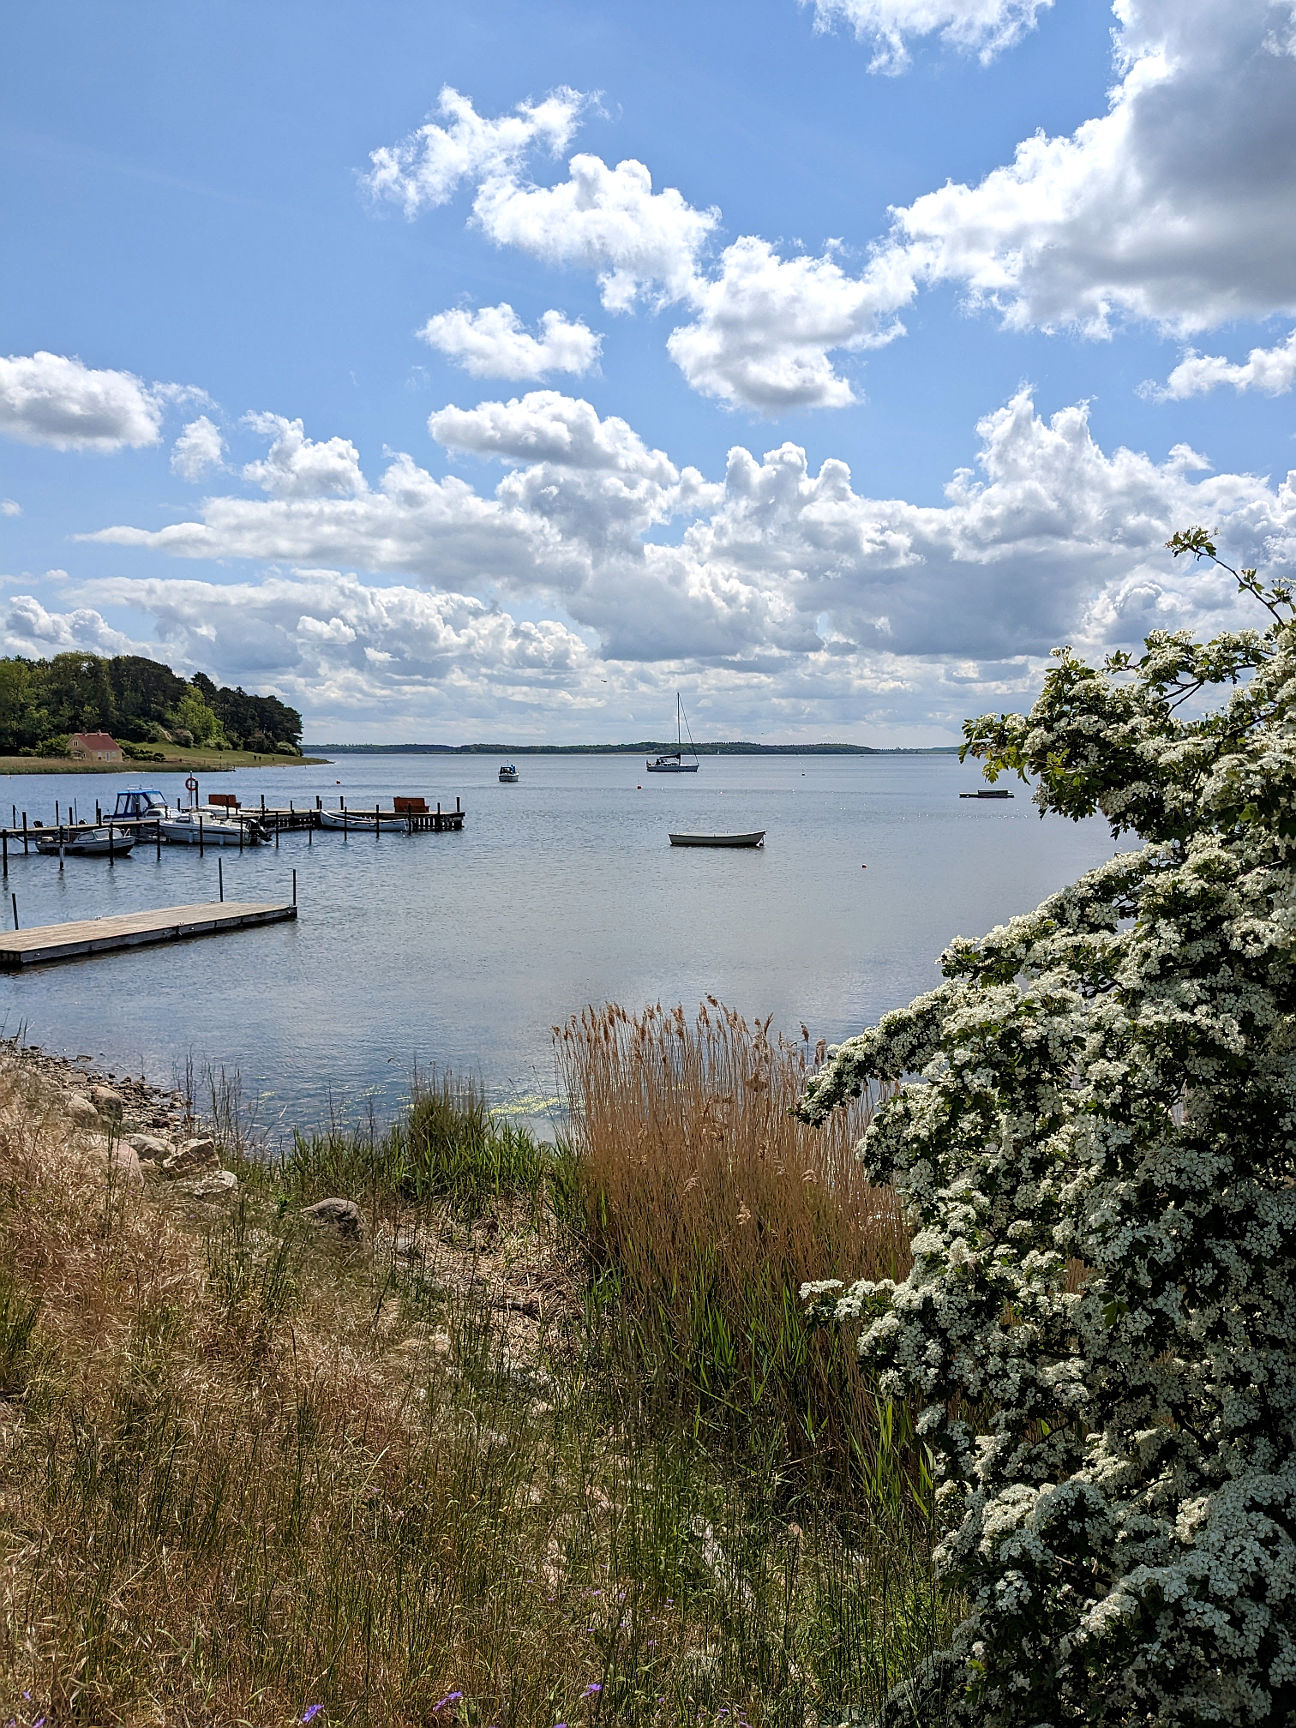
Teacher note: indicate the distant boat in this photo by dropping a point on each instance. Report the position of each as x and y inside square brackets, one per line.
[755, 838]
[508, 774]
[988, 792]
[672, 762]
[88, 843]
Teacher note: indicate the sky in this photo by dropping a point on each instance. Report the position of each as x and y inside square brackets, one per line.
[495, 371]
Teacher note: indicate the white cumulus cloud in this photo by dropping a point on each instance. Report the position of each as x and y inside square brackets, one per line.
[493, 342]
[198, 449]
[56, 399]
[766, 326]
[1270, 370]
[982, 27]
[1177, 206]
[10, 507]
[296, 466]
[429, 166]
[639, 243]
[546, 426]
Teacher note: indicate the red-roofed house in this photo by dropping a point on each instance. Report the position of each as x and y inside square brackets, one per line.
[97, 746]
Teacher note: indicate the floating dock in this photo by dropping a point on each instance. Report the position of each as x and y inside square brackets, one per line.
[21, 948]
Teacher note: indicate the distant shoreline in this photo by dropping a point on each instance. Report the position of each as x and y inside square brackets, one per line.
[647, 747]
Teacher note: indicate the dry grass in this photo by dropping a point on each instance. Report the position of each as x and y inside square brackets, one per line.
[707, 1204]
[247, 1472]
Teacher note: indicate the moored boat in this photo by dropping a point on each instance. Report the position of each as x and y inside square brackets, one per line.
[365, 821]
[86, 842]
[196, 828]
[672, 761]
[988, 792]
[508, 774]
[755, 838]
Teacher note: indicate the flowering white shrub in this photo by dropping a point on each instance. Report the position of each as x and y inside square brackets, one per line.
[1098, 1155]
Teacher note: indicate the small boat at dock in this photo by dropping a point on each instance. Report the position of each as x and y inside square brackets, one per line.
[755, 838]
[508, 774]
[365, 821]
[85, 841]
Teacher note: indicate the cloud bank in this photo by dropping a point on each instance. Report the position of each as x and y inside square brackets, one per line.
[774, 582]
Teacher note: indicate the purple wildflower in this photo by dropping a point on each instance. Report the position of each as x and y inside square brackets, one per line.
[310, 1712]
[593, 1687]
[450, 1698]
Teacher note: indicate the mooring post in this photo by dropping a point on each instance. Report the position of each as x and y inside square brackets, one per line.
[318, 803]
[26, 842]
[276, 836]
[98, 813]
[157, 837]
[263, 804]
[220, 878]
[294, 887]
[200, 836]
[457, 810]
[13, 898]
[4, 850]
[56, 813]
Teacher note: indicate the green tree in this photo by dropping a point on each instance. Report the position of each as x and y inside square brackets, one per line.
[1093, 1128]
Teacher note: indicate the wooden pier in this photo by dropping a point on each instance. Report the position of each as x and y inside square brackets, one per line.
[22, 948]
[271, 820]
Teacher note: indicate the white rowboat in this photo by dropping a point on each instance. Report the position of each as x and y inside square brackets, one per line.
[755, 838]
[364, 821]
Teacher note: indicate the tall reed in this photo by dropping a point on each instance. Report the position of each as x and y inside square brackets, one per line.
[705, 1205]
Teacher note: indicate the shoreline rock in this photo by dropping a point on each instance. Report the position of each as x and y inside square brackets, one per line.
[149, 1131]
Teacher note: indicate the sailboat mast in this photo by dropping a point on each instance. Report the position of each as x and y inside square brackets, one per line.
[679, 722]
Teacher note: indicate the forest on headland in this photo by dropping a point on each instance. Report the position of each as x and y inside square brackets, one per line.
[139, 701]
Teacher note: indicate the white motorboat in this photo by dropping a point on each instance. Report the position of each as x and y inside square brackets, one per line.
[672, 761]
[86, 841]
[755, 838]
[365, 821]
[196, 828]
[508, 774]
[202, 824]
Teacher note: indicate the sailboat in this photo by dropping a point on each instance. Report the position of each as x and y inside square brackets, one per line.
[672, 762]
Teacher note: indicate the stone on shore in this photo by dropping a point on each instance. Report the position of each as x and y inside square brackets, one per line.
[341, 1216]
[212, 1185]
[191, 1158]
[81, 1111]
[108, 1102]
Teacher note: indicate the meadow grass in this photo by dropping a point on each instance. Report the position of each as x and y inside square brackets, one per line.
[251, 1471]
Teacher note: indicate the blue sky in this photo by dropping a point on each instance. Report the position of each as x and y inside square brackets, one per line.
[494, 371]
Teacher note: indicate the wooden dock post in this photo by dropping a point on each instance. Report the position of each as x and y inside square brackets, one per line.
[157, 838]
[14, 901]
[220, 879]
[294, 898]
[4, 850]
[98, 813]
[26, 843]
[200, 837]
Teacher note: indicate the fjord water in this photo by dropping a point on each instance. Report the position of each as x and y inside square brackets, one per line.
[464, 950]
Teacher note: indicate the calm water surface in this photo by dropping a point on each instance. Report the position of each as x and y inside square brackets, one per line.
[466, 949]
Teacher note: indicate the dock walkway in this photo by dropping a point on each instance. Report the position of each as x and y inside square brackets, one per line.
[20, 948]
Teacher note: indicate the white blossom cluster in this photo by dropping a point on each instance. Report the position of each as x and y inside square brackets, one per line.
[1093, 1129]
